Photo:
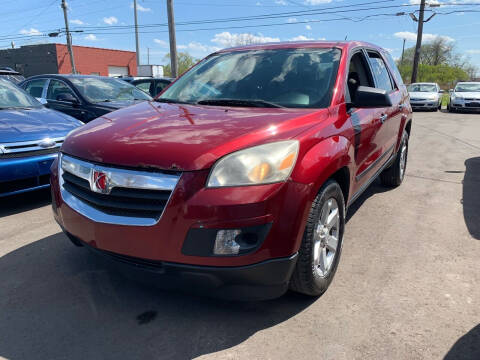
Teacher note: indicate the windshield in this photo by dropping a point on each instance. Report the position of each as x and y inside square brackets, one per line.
[297, 78]
[96, 89]
[422, 88]
[12, 97]
[473, 87]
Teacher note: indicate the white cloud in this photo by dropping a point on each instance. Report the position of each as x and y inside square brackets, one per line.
[258, 3]
[141, 8]
[473, 51]
[308, 27]
[76, 22]
[30, 31]
[110, 20]
[292, 20]
[301, 38]
[280, 2]
[160, 42]
[91, 37]
[198, 49]
[411, 36]
[317, 2]
[228, 39]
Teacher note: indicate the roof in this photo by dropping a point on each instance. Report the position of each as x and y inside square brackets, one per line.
[301, 44]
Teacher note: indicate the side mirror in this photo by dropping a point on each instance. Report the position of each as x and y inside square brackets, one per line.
[441, 91]
[368, 97]
[67, 97]
[450, 91]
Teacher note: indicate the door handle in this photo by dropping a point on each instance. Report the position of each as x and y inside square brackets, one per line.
[383, 118]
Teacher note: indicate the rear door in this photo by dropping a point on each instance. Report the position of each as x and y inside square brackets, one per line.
[37, 88]
[390, 116]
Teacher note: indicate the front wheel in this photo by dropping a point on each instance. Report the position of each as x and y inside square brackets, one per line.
[393, 176]
[321, 246]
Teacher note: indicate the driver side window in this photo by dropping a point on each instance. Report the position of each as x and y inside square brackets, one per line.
[358, 75]
[56, 87]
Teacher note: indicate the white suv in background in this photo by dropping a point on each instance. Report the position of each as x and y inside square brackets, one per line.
[425, 96]
[465, 96]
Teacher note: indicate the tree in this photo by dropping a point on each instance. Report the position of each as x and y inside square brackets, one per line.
[185, 62]
[445, 75]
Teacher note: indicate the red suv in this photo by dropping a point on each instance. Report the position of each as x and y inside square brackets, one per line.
[236, 179]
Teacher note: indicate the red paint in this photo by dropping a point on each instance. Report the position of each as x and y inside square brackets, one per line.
[90, 60]
[191, 138]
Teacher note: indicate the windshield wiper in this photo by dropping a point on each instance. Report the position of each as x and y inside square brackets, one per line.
[171, 101]
[239, 102]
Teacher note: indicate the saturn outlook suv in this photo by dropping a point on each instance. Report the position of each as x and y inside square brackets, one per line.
[235, 181]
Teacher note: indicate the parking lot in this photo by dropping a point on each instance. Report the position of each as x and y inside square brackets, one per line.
[406, 288]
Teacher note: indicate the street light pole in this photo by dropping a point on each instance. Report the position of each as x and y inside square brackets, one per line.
[418, 46]
[173, 41]
[403, 51]
[136, 31]
[69, 37]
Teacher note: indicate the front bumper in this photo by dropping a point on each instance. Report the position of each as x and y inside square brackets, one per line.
[282, 207]
[427, 104]
[465, 105]
[265, 280]
[18, 175]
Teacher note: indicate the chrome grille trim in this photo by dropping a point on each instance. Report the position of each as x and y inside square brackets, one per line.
[120, 178]
[29, 146]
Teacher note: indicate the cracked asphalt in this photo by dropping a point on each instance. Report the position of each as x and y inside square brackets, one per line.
[407, 286]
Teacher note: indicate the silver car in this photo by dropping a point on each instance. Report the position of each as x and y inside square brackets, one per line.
[465, 96]
[425, 96]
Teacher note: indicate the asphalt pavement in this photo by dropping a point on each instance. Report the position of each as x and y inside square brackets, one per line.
[407, 287]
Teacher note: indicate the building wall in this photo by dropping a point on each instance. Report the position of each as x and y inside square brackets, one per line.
[31, 59]
[89, 60]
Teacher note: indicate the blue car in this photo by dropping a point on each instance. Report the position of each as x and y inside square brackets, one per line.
[30, 138]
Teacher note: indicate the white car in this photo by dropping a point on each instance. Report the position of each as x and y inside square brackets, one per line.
[425, 96]
[465, 96]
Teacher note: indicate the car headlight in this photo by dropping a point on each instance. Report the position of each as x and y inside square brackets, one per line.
[263, 164]
[433, 97]
[457, 96]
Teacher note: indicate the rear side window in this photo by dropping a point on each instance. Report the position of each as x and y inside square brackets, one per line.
[380, 72]
[394, 68]
[35, 87]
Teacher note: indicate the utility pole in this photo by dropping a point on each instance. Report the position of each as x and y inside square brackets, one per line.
[173, 41]
[69, 37]
[418, 46]
[148, 56]
[136, 31]
[403, 51]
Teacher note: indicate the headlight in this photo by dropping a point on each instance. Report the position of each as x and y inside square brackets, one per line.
[262, 164]
[433, 97]
[456, 96]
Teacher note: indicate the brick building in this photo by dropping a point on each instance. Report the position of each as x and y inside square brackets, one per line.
[55, 59]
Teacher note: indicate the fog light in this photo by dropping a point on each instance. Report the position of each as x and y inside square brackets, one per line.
[225, 243]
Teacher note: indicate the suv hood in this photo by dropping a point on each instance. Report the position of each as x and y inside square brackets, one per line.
[183, 137]
[34, 124]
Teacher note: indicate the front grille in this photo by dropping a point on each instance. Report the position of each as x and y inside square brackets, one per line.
[23, 184]
[29, 153]
[120, 201]
[473, 104]
[30, 148]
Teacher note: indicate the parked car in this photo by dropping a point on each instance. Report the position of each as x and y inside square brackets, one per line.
[10, 74]
[238, 177]
[30, 138]
[426, 96]
[84, 97]
[152, 86]
[465, 97]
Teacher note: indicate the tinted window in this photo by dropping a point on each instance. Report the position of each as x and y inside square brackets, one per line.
[144, 86]
[380, 72]
[394, 68]
[35, 87]
[56, 88]
[286, 77]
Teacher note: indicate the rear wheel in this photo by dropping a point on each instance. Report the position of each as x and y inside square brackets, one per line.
[321, 246]
[393, 176]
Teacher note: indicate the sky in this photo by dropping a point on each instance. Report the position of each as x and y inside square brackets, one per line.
[222, 23]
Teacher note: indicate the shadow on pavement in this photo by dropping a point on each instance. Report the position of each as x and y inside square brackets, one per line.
[15, 204]
[471, 196]
[467, 347]
[375, 188]
[58, 301]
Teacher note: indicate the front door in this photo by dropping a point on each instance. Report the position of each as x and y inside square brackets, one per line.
[55, 89]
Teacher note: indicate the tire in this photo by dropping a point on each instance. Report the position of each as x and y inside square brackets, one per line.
[393, 176]
[312, 275]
